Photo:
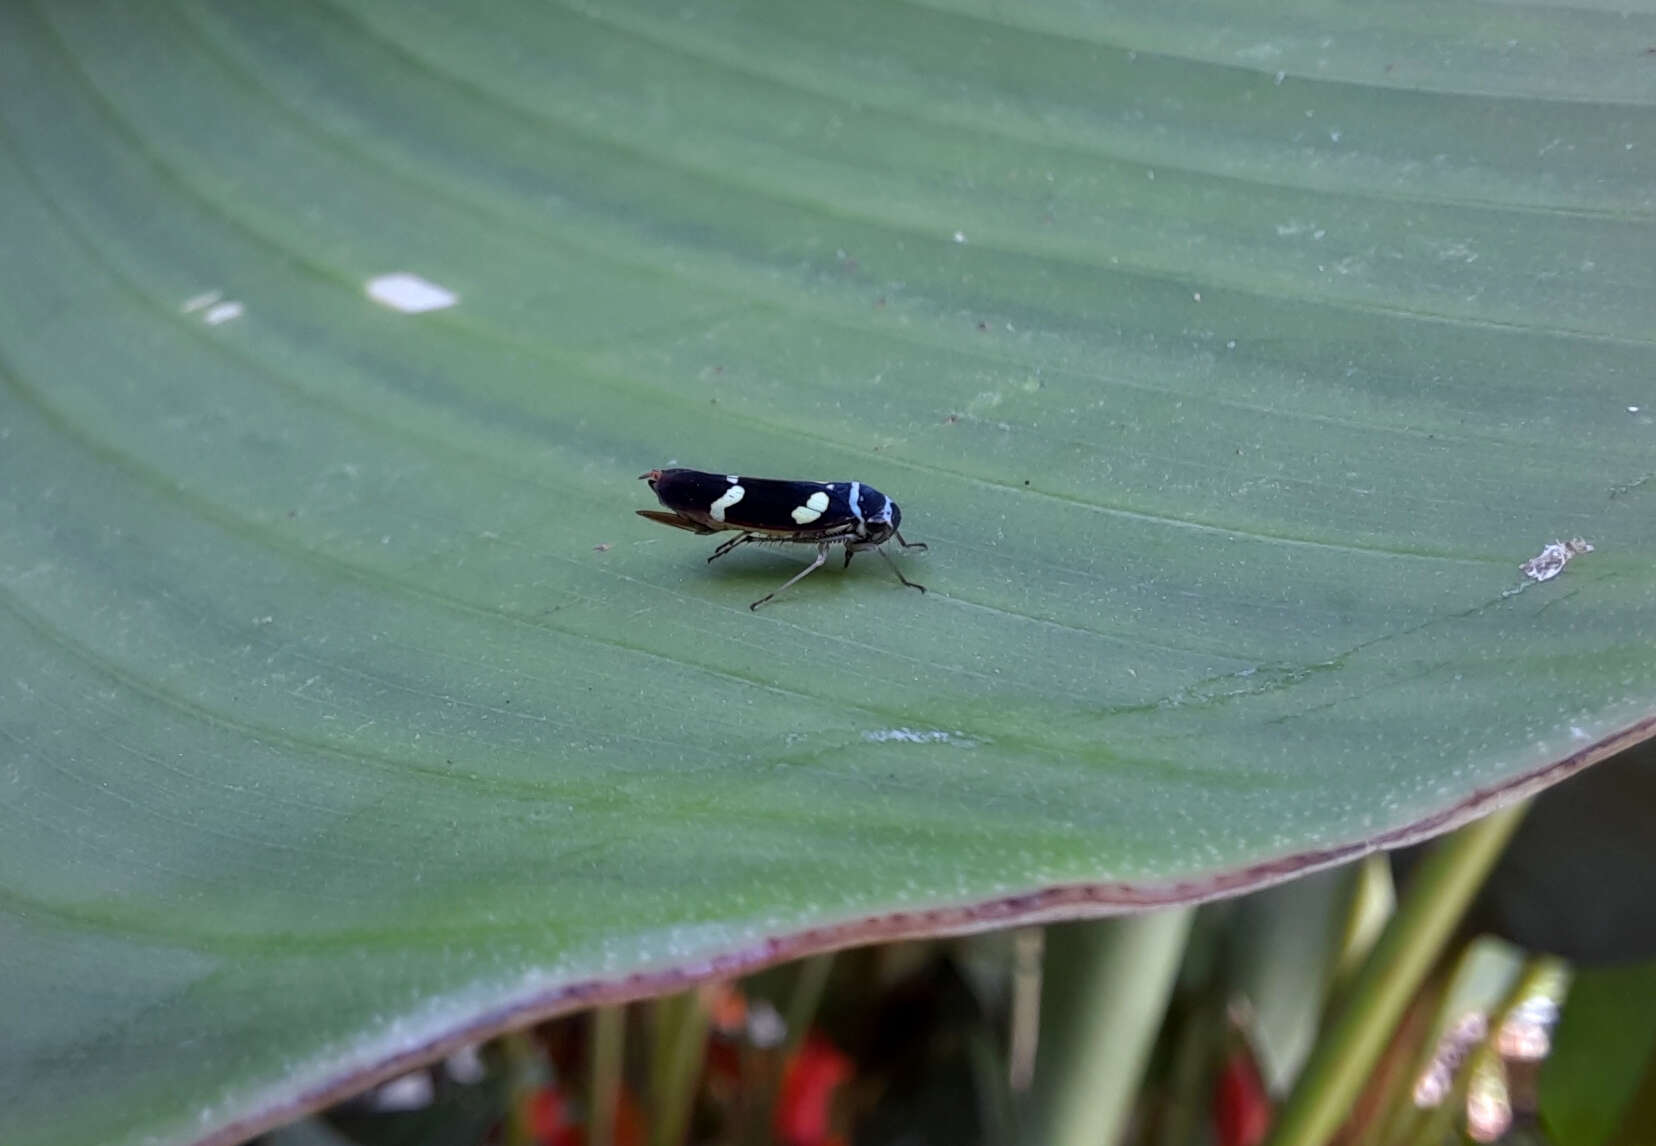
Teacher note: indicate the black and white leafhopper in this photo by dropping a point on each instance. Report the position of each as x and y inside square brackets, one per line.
[770, 512]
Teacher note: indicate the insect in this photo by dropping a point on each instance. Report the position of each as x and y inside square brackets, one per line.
[769, 512]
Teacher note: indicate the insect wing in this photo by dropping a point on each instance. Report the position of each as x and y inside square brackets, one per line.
[690, 491]
[677, 521]
[803, 509]
[806, 510]
[695, 500]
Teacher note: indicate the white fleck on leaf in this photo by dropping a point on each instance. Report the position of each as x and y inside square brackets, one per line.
[410, 293]
[920, 736]
[223, 312]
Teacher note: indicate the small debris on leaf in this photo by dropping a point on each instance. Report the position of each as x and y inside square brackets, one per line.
[1550, 562]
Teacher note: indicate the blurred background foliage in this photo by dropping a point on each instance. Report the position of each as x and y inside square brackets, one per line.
[1535, 1027]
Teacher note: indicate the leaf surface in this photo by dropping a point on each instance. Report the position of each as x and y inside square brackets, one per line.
[1230, 359]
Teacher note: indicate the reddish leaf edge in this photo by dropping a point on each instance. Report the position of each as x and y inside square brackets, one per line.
[1056, 904]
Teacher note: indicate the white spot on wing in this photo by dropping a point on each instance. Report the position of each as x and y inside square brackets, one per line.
[410, 294]
[731, 496]
[812, 509]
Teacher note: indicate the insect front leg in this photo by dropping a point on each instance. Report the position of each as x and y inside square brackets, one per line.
[728, 546]
[821, 559]
[908, 544]
[899, 572]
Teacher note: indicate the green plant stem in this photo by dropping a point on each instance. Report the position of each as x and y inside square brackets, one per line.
[1197, 1047]
[525, 1074]
[1373, 899]
[1104, 995]
[806, 996]
[994, 1097]
[604, 1078]
[1437, 897]
[1418, 1031]
[684, 1046]
[1028, 947]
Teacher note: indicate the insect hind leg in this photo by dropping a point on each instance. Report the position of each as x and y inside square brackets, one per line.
[821, 559]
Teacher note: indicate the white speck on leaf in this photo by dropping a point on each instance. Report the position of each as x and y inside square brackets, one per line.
[920, 736]
[222, 312]
[409, 293]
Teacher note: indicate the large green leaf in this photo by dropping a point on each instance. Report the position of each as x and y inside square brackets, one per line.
[1230, 358]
